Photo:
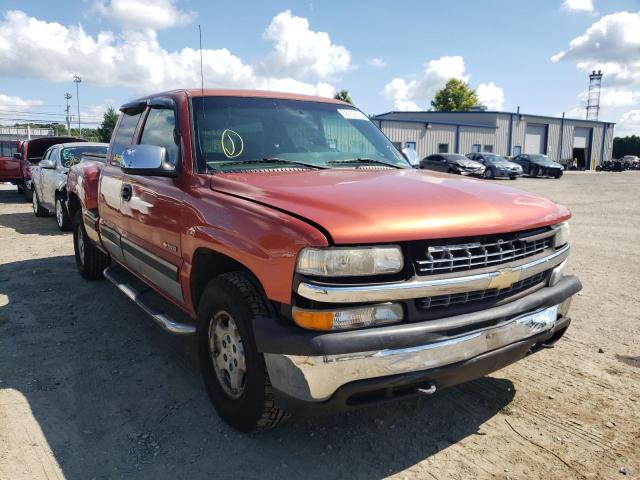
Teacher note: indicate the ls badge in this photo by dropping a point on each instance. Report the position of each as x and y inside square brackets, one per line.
[170, 247]
[504, 279]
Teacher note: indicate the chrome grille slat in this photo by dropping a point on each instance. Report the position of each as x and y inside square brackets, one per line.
[442, 301]
[493, 250]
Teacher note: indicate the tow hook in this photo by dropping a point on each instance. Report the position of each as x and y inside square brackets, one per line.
[428, 391]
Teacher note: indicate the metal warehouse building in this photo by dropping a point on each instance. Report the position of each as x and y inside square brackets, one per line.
[504, 133]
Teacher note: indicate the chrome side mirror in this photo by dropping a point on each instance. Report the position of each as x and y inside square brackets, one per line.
[148, 160]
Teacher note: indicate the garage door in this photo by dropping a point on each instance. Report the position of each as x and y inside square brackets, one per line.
[535, 139]
[581, 137]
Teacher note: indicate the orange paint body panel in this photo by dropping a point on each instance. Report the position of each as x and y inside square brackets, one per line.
[386, 206]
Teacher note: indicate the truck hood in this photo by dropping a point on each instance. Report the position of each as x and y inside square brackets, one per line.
[358, 206]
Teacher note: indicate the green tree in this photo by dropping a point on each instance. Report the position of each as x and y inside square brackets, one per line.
[344, 96]
[626, 146]
[456, 96]
[108, 124]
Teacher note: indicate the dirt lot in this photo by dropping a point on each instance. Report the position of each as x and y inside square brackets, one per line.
[90, 388]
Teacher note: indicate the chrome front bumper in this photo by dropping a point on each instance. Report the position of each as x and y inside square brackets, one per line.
[317, 378]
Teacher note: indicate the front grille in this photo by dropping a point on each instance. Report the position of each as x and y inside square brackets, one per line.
[493, 294]
[446, 257]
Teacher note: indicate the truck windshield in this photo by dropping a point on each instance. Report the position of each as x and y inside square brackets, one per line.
[233, 130]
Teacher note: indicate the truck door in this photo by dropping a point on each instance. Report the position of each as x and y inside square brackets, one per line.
[49, 179]
[153, 214]
[111, 186]
[38, 177]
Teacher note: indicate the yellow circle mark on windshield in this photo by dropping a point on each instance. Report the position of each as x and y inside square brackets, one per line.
[232, 143]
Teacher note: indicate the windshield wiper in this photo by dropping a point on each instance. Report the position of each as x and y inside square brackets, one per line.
[273, 160]
[362, 160]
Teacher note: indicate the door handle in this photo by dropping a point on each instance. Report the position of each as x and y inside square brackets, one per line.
[126, 192]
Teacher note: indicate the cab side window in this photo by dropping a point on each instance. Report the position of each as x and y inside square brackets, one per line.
[159, 130]
[123, 136]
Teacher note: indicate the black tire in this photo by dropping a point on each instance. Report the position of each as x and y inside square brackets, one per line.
[90, 261]
[513, 178]
[534, 171]
[20, 186]
[62, 214]
[254, 409]
[558, 174]
[28, 194]
[488, 174]
[38, 210]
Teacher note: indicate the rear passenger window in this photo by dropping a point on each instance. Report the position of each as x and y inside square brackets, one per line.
[124, 136]
[158, 130]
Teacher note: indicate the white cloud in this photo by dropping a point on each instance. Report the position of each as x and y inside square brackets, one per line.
[491, 96]
[10, 102]
[133, 59]
[611, 44]
[377, 63]
[578, 5]
[302, 52]
[144, 14]
[629, 123]
[411, 94]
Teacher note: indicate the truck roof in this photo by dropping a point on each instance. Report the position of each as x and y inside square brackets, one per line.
[208, 92]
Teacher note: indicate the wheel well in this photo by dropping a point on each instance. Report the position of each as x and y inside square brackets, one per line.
[208, 264]
[73, 205]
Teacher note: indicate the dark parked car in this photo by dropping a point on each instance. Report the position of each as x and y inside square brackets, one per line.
[452, 163]
[496, 165]
[537, 165]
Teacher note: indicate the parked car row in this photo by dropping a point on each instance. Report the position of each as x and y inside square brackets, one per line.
[317, 273]
[491, 165]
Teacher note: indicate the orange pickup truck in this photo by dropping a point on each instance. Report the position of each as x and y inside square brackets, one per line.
[318, 270]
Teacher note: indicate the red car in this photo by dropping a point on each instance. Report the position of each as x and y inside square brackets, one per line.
[9, 165]
[30, 153]
[318, 270]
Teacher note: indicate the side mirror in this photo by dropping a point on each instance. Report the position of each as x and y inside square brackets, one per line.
[48, 164]
[149, 160]
[17, 156]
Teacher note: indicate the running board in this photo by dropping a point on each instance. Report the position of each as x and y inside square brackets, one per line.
[119, 278]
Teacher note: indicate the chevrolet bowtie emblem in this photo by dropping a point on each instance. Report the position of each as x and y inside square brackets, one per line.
[504, 279]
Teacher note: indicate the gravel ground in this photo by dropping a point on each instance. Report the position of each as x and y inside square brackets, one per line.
[90, 388]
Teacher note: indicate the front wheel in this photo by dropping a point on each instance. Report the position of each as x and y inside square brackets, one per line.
[558, 174]
[233, 370]
[534, 171]
[512, 178]
[62, 216]
[90, 261]
[488, 174]
[38, 210]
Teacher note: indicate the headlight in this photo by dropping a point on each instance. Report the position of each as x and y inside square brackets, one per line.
[350, 262]
[358, 317]
[563, 234]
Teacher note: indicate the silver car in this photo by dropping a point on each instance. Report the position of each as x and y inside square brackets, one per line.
[49, 178]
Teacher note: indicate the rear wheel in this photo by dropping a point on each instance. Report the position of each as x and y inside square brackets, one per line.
[29, 194]
[233, 370]
[534, 171]
[90, 261]
[38, 210]
[20, 186]
[488, 174]
[62, 215]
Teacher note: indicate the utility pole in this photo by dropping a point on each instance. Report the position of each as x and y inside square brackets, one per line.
[77, 80]
[67, 97]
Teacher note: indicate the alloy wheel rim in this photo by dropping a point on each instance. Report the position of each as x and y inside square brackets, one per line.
[227, 354]
[80, 243]
[59, 216]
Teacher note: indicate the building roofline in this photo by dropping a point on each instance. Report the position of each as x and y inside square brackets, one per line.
[495, 112]
[422, 122]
